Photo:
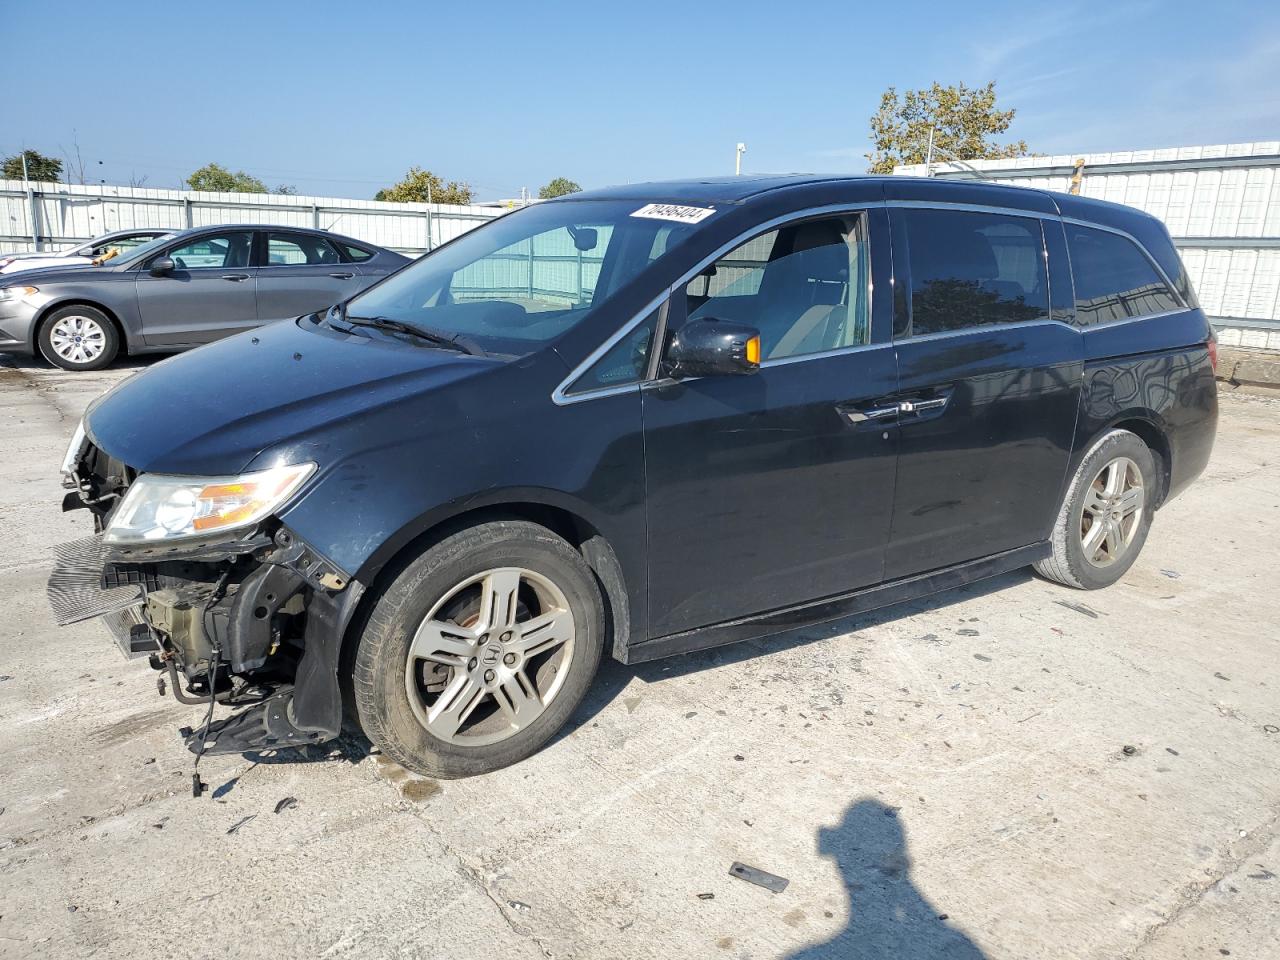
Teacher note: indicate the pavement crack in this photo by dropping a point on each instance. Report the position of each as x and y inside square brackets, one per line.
[1237, 854]
[476, 877]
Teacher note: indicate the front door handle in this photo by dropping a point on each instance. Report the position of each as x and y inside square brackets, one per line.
[342, 276]
[237, 277]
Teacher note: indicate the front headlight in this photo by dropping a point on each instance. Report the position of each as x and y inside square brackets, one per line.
[158, 507]
[16, 293]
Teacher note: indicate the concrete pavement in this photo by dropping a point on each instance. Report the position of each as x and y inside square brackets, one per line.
[944, 778]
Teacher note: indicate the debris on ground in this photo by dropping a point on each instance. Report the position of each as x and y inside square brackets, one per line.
[760, 878]
[519, 906]
[1129, 750]
[968, 632]
[706, 896]
[1078, 608]
[1171, 574]
[982, 656]
[159, 824]
[241, 822]
[1219, 676]
[286, 804]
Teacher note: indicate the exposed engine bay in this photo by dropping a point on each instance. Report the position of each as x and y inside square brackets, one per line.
[253, 618]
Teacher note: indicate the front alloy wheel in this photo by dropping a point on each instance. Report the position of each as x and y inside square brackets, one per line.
[490, 657]
[477, 650]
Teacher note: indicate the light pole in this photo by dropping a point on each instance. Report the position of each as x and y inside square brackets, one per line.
[737, 163]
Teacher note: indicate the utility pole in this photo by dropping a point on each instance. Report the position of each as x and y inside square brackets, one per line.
[31, 202]
[737, 163]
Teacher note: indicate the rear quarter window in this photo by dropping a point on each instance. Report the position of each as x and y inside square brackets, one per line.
[355, 254]
[1114, 278]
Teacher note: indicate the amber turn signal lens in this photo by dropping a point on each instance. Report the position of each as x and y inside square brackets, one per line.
[753, 350]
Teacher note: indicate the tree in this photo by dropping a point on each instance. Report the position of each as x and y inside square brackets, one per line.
[39, 167]
[285, 190]
[559, 187]
[965, 122]
[423, 186]
[217, 178]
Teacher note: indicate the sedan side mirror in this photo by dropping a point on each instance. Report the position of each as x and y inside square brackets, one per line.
[162, 266]
[707, 348]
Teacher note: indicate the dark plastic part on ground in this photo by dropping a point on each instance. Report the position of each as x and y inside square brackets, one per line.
[760, 878]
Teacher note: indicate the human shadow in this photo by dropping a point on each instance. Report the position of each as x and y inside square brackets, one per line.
[888, 917]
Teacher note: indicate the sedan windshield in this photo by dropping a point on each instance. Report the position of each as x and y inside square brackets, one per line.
[527, 277]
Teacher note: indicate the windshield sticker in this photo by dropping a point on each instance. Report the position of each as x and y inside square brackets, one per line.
[673, 211]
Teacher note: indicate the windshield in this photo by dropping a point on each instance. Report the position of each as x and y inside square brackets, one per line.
[527, 277]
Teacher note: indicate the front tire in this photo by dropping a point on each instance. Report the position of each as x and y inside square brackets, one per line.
[78, 337]
[479, 650]
[1106, 515]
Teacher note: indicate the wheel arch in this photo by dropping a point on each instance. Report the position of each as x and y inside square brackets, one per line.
[560, 518]
[1148, 428]
[42, 317]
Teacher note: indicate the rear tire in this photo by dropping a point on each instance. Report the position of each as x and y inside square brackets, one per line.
[78, 337]
[451, 677]
[1106, 515]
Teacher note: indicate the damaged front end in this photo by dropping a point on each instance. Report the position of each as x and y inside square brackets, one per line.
[236, 609]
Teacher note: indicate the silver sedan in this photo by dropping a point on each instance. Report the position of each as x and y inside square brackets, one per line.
[183, 290]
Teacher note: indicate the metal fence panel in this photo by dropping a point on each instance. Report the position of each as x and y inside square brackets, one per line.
[54, 216]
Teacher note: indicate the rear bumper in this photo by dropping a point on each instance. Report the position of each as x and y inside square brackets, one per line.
[1192, 430]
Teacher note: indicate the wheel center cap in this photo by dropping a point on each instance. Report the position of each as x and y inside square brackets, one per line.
[491, 653]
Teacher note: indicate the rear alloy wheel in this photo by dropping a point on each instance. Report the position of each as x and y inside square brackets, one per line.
[79, 338]
[478, 650]
[1106, 515]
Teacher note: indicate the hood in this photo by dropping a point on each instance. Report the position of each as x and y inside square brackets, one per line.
[210, 411]
[72, 269]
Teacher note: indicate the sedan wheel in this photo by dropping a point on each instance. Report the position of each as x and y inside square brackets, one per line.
[77, 338]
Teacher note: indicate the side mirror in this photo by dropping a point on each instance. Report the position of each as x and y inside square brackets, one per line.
[162, 266]
[708, 348]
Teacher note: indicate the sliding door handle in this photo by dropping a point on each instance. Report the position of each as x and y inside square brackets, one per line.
[870, 413]
[237, 277]
[920, 406]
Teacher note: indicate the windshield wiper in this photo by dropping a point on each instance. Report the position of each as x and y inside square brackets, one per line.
[412, 330]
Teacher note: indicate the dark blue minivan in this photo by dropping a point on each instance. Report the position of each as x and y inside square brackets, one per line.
[635, 422]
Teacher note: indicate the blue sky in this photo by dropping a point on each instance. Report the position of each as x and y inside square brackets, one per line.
[340, 98]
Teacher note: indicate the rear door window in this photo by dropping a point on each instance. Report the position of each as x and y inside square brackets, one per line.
[1114, 279]
[974, 269]
[297, 249]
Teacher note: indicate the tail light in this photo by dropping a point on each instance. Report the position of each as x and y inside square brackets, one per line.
[1212, 346]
